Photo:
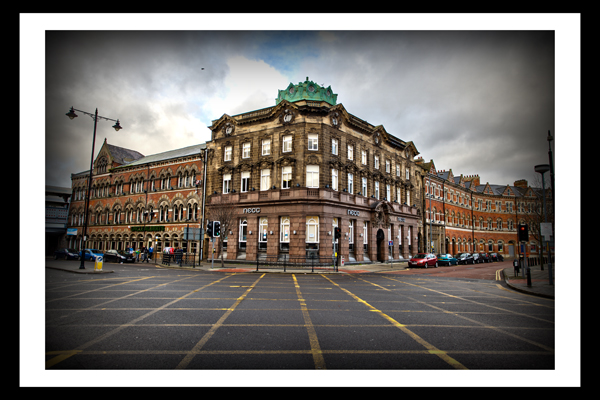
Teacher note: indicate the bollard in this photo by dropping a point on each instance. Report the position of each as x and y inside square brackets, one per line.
[98, 264]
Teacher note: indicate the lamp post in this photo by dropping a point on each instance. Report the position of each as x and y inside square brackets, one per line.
[541, 169]
[71, 114]
[550, 139]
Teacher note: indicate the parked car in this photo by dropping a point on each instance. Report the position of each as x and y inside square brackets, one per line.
[496, 257]
[477, 259]
[118, 256]
[67, 254]
[446, 259]
[464, 258]
[485, 257]
[423, 260]
[91, 254]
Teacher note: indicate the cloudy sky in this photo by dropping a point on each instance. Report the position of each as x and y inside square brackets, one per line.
[477, 102]
[474, 101]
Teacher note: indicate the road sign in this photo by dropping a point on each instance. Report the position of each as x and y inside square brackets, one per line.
[98, 263]
[546, 230]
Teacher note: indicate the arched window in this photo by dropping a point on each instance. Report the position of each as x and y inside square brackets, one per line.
[262, 233]
[243, 230]
[284, 230]
[312, 229]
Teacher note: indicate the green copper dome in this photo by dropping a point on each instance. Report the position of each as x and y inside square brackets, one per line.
[307, 90]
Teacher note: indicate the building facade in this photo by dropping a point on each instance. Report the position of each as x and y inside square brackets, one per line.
[461, 215]
[139, 201]
[293, 173]
[299, 169]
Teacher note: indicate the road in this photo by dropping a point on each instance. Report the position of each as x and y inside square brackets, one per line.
[142, 317]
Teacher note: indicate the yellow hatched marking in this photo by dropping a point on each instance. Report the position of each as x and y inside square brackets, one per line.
[188, 358]
[312, 334]
[431, 348]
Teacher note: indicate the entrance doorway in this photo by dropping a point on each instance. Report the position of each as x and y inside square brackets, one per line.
[380, 246]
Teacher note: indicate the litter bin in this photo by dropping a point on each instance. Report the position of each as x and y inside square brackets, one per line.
[98, 264]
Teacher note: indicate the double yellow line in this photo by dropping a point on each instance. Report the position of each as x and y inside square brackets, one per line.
[499, 275]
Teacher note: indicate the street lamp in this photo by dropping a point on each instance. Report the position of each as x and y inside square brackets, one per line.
[117, 127]
[541, 169]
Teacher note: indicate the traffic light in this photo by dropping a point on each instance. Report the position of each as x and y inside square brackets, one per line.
[209, 228]
[217, 228]
[523, 233]
[338, 233]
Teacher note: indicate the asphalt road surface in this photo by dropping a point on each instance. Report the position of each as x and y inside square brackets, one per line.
[142, 317]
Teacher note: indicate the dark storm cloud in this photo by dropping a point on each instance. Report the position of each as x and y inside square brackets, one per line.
[474, 102]
[126, 75]
[468, 100]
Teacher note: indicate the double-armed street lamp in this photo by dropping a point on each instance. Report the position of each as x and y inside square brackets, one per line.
[71, 114]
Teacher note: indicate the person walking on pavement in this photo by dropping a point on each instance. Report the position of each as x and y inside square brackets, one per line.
[150, 252]
[178, 254]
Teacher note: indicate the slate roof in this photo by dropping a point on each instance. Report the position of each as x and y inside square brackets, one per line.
[122, 155]
[167, 155]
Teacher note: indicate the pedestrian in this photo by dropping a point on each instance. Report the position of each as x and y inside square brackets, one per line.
[150, 251]
[178, 255]
[145, 254]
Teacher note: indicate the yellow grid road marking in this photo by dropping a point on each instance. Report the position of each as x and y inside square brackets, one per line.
[189, 356]
[431, 348]
[312, 334]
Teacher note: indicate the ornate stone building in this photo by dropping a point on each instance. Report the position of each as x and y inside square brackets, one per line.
[299, 169]
[139, 201]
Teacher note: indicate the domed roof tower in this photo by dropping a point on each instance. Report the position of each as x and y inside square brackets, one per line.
[307, 90]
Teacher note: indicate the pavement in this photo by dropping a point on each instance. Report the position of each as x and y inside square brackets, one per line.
[539, 282]
[537, 285]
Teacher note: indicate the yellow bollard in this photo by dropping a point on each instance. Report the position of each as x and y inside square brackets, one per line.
[98, 264]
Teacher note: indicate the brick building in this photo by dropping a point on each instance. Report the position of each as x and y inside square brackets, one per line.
[299, 169]
[462, 215]
[139, 201]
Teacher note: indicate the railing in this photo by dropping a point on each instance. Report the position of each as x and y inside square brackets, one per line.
[284, 262]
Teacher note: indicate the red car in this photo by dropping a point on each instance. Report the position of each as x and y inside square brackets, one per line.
[423, 260]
